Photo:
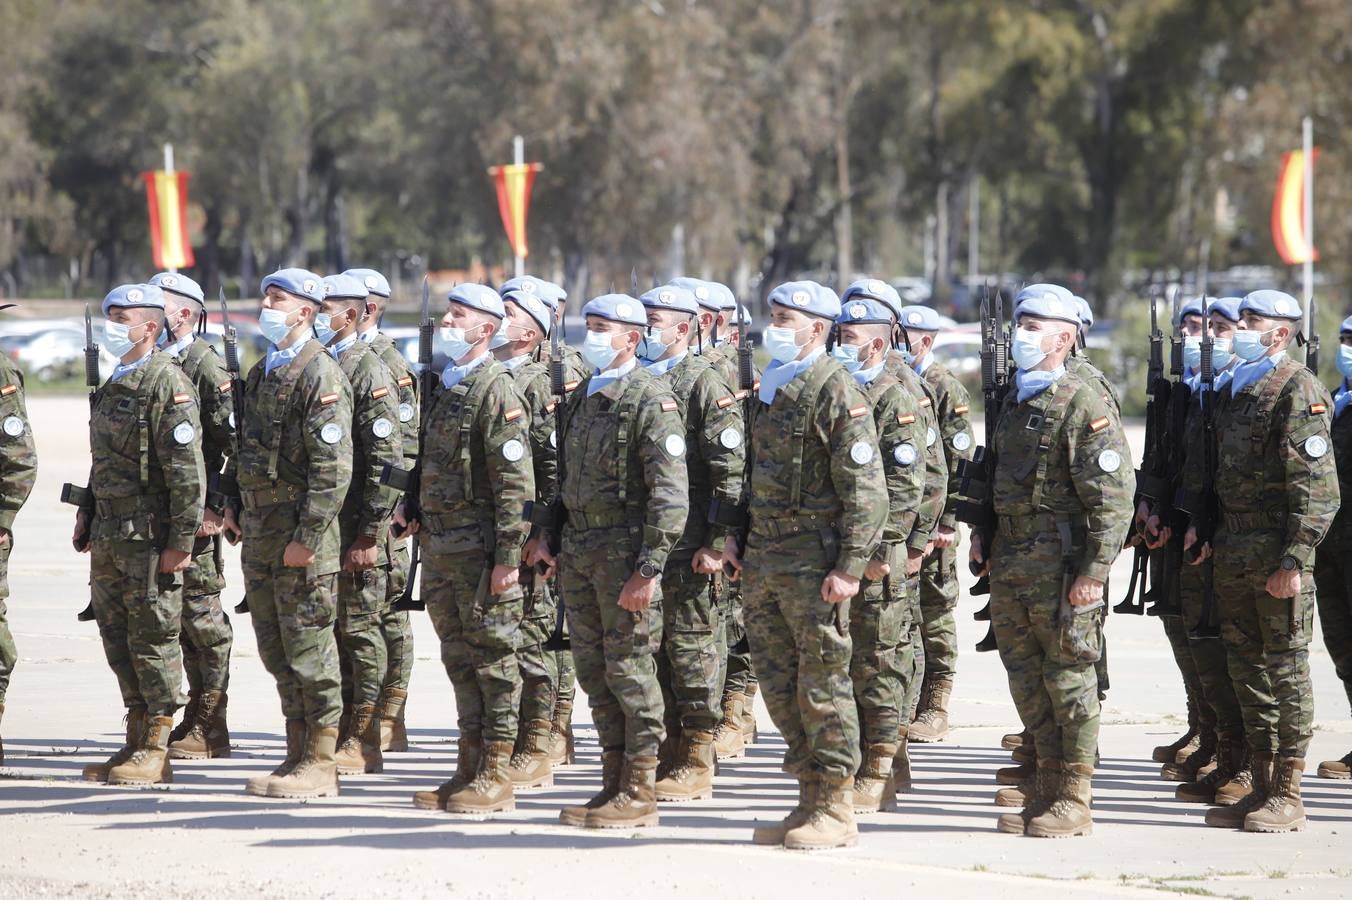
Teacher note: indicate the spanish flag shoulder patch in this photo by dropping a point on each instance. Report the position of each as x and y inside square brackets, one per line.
[960, 409]
[857, 411]
[756, 384]
[725, 402]
[331, 397]
[925, 403]
[512, 414]
[226, 387]
[406, 381]
[1098, 424]
[182, 398]
[1318, 409]
[668, 406]
[741, 395]
[379, 392]
[906, 419]
[8, 389]
[551, 405]
[571, 386]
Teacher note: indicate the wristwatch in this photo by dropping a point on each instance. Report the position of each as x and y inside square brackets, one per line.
[1289, 564]
[647, 570]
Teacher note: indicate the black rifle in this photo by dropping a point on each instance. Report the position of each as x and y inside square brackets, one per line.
[74, 494]
[1203, 505]
[555, 515]
[1165, 597]
[410, 480]
[1312, 339]
[230, 343]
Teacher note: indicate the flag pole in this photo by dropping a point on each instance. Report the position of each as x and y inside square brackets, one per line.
[1307, 146]
[169, 168]
[519, 158]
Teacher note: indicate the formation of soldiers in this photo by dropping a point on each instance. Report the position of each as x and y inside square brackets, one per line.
[702, 532]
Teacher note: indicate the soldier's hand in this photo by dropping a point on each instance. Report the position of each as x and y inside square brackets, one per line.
[1085, 590]
[361, 555]
[172, 560]
[79, 538]
[211, 524]
[1284, 584]
[976, 555]
[1157, 534]
[1189, 540]
[945, 537]
[837, 587]
[1142, 514]
[707, 561]
[537, 552]
[502, 578]
[914, 560]
[732, 563]
[4, 537]
[402, 523]
[878, 570]
[230, 526]
[297, 555]
[637, 593]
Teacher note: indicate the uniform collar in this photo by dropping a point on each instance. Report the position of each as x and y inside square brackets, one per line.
[344, 345]
[177, 347]
[453, 374]
[663, 366]
[1034, 382]
[1250, 373]
[517, 362]
[127, 369]
[867, 376]
[779, 374]
[368, 337]
[602, 380]
[278, 358]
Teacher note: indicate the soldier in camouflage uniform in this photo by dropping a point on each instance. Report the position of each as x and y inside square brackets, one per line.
[139, 523]
[394, 623]
[1333, 562]
[363, 583]
[18, 470]
[1277, 487]
[206, 637]
[939, 575]
[622, 482]
[693, 649]
[881, 626]
[293, 469]
[476, 480]
[1062, 494]
[818, 506]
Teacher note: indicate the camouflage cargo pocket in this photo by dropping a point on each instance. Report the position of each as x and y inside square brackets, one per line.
[1081, 634]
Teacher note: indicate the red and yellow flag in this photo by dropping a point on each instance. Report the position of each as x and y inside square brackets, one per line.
[167, 196]
[1288, 209]
[514, 183]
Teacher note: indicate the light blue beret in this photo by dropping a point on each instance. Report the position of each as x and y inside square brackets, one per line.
[671, 297]
[722, 295]
[480, 297]
[1272, 305]
[182, 285]
[861, 309]
[536, 308]
[1193, 308]
[878, 290]
[343, 287]
[1346, 327]
[1225, 306]
[134, 296]
[701, 290]
[547, 291]
[301, 282]
[1044, 304]
[616, 308]
[374, 282]
[808, 297]
[1042, 289]
[1084, 312]
[920, 318]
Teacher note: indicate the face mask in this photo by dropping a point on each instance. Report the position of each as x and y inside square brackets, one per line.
[653, 347]
[597, 350]
[1249, 346]
[324, 328]
[1027, 350]
[848, 356]
[272, 322]
[1192, 352]
[500, 338]
[162, 339]
[1220, 353]
[457, 348]
[782, 343]
[1345, 361]
[117, 338]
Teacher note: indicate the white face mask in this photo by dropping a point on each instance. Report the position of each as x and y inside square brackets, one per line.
[782, 343]
[1027, 349]
[598, 350]
[117, 338]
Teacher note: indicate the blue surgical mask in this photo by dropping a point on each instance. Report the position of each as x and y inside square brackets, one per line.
[1344, 361]
[906, 356]
[1220, 353]
[847, 355]
[500, 338]
[272, 323]
[162, 339]
[324, 328]
[117, 338]
[782, 343]
[1192, 352]
[457, 348]
[1027, 349]
[1249, 346]
[597, 350]
[652, 347]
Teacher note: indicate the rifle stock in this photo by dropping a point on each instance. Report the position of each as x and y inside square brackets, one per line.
[73, 493]
[410, 480]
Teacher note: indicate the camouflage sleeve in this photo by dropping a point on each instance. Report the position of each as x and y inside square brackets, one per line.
[408, 412]
[215, 394]
[935, 499]
[504, 424]
[900, 439]
[375, 429]
[955, 426]
[1104, 479]
[176, 429]
[324, 406]
[1305, 449]
[660, 447]
[721, 435]
[18, 453]
[851, 439]
[543, 441]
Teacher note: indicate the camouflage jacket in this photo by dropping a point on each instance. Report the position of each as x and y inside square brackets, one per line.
[815, 463]
[1080, 366]
[1341, 435]
[623, 462]
[295, 453]
[376, 443]
[18, 453]
[936, 466]
[1064, 453]
[407, 386]
[148, 479]
[715, 461]
[901, 441]
[206, 370]
[532, 381]
[1275, 473]
[477, 467]
[951, 409]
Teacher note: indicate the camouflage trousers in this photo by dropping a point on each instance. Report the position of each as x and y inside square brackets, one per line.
[567, 679]
[539, 667]
[1166, 578]
[293, 612]
[693, 650]
[1333, 577]
[479, 631]
[1049, 662]
[1219, 707]
[206, 638]
[802, 649]
[738, 673]
[1267, 643]
[882, 658]
[138, 612]
[9, 654]
[938, 603]
[362, 602]
[614, 649]
[395, 624]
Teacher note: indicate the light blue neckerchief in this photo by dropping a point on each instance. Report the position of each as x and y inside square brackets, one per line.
[609, 376]
[343, 346]
[663, 366]
[778, 374]
[1035, 381]
[453, 374]
[516, 362]
[121, 369]
[367, 337]
[278, 358]
[1252, 372]
[866, 376]
[177, 347]
[1341, 399]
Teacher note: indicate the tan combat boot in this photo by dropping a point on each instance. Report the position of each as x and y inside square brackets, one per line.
[1015, 741]
[635, 803]
[1069, 814]
[749, 733]
[729, 743]
[1178, 750]
[149, 762]
[561, 735]
[530, 766]
[874, 787]
[830, 822]
[393, 735]
[189, 720]
[1230, 758]
[1233, 816]
[901, 763]
[1045, 787]
[773, 835]
[931, 720]
[692, 777]
[1282, 811]
[295, 748]
[466, 767]
[1340, 769]
[1240, 784]
[1016, 774]
[1020, 794]
[490, 790]
[612, 767]
[359, 752]
[208, 736]
[1025, 752]
[1199, 762]
[135, 721]
[316, 775]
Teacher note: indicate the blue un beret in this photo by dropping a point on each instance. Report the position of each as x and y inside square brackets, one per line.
[547, 291]
[537, 309]
[374, 282]
[722, 295]
[671, 297]
[920, 318]
[1042, 289]
[301, 282]
[1193, 308]
[878, 290]
[1272, 305]
[617, 308]
[480, 297]
[343, 287]
[1083, 310]
[1047, 301]
[861, 309]
[134, 296]
[1346, 327]
[808, 297]
[703, 291]
[1225, 306]
[182, 285]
